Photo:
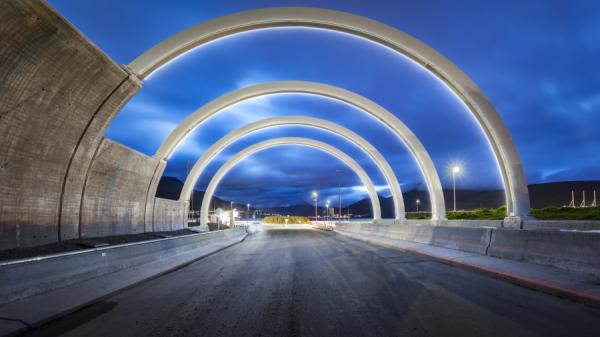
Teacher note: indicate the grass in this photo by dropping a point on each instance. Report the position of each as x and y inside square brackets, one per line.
[479, 214]
[277, 219]
[418, 216]
[548, 213]
[566, 213]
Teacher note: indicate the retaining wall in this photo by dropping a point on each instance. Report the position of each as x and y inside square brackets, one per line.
[58, 92]
[114, 199]
[169, 215]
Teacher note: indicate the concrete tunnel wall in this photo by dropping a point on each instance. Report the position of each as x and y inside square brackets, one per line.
[115, 194]
[58, 93]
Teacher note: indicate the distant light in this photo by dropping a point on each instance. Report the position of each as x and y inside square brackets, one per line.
[418, 201]
[456, 169]
[314, 194]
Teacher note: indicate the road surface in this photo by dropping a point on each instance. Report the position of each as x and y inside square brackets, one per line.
[314, 283]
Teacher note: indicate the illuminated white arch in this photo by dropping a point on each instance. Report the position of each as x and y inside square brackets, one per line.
[517, 195]
[352, 164]
[401, 131]
[222, 143]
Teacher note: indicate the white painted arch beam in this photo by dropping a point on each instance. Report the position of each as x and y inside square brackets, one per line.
[319, 123]
[517, 195]
[234, 160]
[400, 130]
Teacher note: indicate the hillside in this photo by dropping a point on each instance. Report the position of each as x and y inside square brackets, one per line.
[541, 195]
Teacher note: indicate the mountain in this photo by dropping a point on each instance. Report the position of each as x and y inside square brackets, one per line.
[303, 209]
[559, 193]
[541, 195]
[170, 188]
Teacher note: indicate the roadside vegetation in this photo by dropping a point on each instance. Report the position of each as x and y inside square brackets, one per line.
[479, 214]
[278, 219]
[566, 213]
[418, 215]
[548, 213]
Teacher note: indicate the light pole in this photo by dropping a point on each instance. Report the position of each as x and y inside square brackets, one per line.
[418, 202]
[455, 171]
[327, 211]
[248, 210]
[315, 196]
[340, 195]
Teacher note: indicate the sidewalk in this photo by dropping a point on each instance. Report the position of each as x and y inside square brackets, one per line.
[574, 286]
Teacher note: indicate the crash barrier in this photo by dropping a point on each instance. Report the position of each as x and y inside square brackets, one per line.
[468, 239]
[20, 279]
[570, 250]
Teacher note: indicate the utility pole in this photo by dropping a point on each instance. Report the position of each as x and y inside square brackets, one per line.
[572, 203]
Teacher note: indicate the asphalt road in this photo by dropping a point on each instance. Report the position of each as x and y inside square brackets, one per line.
[314, 283]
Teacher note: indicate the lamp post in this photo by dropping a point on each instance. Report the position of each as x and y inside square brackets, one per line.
[248, 210]
[339, 194]
[231, 214]
[455, 171]
[418, 202]
[327, 211]
[315, 196]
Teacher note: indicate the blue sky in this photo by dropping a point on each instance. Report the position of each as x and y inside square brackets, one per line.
[537, 61]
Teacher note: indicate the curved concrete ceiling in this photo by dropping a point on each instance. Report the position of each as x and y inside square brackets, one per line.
[222, 143]
[517, 195]
[234, 160]
[401, 131]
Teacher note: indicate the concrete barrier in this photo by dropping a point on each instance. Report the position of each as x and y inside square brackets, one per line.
[569, 250]
[20, 279]
[448, 223]
[468, 239]
[582, 225]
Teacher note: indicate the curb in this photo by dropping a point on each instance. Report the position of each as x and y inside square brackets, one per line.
[524, 281]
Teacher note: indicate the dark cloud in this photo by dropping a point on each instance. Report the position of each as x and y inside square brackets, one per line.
[536, 60]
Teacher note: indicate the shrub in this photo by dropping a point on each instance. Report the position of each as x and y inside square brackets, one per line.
[279, 219]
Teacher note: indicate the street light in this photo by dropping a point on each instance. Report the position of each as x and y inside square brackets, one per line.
[340, 193]
[418, 202]
[455, 171]
[315, 196]
[248, 210]
[327, 211]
